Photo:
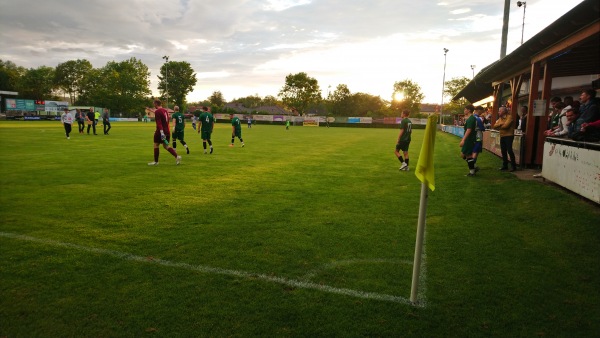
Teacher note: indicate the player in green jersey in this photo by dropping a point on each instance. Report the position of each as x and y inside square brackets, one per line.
[207, 123]
[236, 129]
[468, 141]
[404, 140]
[178, 126]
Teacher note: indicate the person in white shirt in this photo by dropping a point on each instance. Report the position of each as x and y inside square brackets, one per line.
[67, 120]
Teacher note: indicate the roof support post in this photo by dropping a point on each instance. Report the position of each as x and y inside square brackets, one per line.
[531, 121]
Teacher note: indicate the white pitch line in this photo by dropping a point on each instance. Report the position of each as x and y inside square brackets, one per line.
[219, 271]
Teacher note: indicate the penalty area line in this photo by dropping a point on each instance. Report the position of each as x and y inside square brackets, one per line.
[219, 271]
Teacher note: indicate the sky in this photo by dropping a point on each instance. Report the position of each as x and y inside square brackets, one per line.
[248, 47]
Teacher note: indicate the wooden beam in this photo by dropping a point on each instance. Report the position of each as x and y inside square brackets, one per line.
[568, 42]
[533, 95]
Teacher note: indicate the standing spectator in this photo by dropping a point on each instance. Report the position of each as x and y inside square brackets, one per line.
[178, 128]
[523, 119]
[97, 117]
[80, 117]
[236, 129]
[249, 121]
[468, 141]
[404, 140]
[106, 121]
[207, 123]
[162, 134]
[67, 120]
[507, 135]
[90, 121]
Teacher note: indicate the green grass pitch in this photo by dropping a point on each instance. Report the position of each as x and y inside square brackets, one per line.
[304, 232]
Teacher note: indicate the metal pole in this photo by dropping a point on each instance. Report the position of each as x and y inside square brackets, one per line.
[523, 29]
[505, 28]
[167, 78]
[443, 87]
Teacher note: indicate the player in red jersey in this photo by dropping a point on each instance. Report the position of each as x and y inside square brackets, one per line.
[162, 133]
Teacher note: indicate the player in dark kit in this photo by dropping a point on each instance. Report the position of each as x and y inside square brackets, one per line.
[207, 123]
[162, 133]
[236, 129]
[404, 140]
[178, 129]
[468, 141]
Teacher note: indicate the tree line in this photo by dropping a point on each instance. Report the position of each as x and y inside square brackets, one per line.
[124, 87]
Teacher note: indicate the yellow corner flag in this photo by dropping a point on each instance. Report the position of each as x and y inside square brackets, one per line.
[425, 172]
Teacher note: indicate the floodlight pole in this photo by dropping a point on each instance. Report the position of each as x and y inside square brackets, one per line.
[167, 78]
[524, 4]
[443, 88]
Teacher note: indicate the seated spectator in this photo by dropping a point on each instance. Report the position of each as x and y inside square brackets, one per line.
[572, 116]
[588, 111]
[552, 118]
[561, 108]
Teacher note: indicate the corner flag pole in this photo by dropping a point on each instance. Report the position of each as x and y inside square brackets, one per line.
[425, 173]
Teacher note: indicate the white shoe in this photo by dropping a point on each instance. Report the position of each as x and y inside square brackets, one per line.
[404, 168]
[243, 145]
[153, 163]
[178, 160]
[404, 165]
[68, 138]
[205, 151]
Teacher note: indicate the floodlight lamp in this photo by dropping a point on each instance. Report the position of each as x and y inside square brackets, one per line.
[521, 3]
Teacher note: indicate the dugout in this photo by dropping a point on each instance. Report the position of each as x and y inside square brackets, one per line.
[560, 60]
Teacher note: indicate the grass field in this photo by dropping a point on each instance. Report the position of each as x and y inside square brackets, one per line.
[306, 232]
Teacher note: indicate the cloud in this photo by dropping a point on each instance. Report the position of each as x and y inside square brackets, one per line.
[247, 47]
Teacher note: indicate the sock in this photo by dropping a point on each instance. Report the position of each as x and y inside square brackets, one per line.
[401, 159]
[204, 145]
[184, 144]
[156, 152]
[210, 143]
[174, 144]
[232, 139]
[407, 161]
[172, 151]
[471, 164]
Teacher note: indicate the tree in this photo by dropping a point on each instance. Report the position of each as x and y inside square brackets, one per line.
[179, 78]
[37, 84]
[364, 104]
[451, 88]
[10, 74]
[300, 92]
[252, 101]
[124, 87]
[411, 97]
[217, 99]
[69, 77]
[270, 100]
[340, 101]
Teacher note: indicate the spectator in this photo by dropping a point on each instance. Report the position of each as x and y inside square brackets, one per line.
[523, 119]
[572, 116]
[507, 131]
[552, 117]
[588, 111]
[563, 125]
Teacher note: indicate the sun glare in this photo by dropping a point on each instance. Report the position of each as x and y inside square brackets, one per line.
[398, 96]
